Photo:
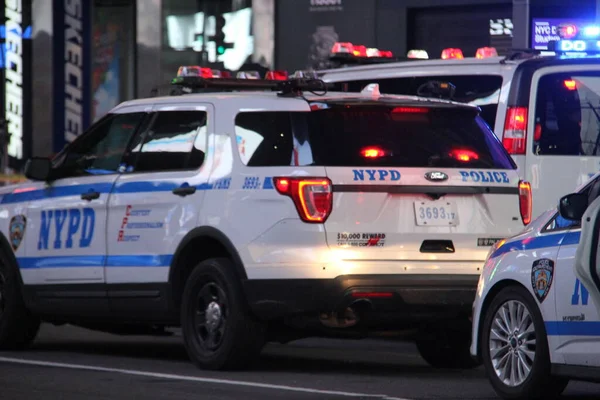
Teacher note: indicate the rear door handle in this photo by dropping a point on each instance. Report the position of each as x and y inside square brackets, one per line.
[184, 190]
[91, 195]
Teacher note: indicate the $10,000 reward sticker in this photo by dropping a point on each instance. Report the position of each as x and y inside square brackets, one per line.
[361, 239]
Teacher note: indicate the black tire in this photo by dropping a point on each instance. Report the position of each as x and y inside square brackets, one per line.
[447, 346]
[232, 343]
[539, 384]
[18, 326]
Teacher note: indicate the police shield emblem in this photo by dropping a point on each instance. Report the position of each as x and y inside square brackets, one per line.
[17, 230]
[542, 274]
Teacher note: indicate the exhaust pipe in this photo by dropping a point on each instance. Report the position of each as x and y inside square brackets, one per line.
[346, 319]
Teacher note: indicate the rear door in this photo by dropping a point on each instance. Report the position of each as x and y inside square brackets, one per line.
[415, 183]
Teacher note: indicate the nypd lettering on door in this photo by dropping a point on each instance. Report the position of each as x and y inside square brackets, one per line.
[66, 228]
[376, 175]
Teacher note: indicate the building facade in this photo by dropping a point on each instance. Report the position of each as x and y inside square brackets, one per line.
[306, 29]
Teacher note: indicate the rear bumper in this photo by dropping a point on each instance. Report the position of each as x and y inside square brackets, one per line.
[401, 298]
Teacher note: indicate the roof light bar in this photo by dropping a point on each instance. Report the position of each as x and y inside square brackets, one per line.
[357, 50]
[187, 82]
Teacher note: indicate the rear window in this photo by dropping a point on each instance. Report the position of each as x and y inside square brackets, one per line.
[359, 135]
[567, 115]
[480, 90]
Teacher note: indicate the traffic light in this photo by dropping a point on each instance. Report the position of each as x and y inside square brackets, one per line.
[219, 36]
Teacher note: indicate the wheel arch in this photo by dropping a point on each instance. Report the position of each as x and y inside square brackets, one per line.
[200, 244]
[489, 298]
[8, 252]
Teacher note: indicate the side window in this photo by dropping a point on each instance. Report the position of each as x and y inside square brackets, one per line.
[175, 141]
[567, 115]
[272, 139]
[100, 150]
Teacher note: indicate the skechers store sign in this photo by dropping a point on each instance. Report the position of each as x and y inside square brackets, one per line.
[72, 68]
[16, 66]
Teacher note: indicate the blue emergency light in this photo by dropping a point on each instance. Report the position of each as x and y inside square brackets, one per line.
[577, 40]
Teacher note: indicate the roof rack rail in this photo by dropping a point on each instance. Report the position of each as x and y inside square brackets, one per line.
[521, 54]
[291, 87]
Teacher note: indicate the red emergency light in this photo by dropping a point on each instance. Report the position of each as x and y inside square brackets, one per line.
[195, 70]
[486, 52]
[452, 53]
[567, 31]
[277, 75]
[342, 47]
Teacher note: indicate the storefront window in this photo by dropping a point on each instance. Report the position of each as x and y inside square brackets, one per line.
[113, 41]
[217, 34]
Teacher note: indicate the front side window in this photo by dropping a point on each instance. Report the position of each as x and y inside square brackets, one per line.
[100, 150]
[174, 141]
[567, 115]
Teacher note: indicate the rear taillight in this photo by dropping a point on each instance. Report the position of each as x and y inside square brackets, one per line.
[515, 130]
[312, 197]
[525, 201]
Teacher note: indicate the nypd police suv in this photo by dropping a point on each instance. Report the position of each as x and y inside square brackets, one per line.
[253, 210]
[536, 317]
[543, 106]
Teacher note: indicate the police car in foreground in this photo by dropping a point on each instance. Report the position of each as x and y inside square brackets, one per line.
[536, 319]
[253, 210]
[544, 107]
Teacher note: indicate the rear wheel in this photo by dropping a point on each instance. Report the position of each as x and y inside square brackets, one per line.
[218, 329]
[514, 348]
[447, 347]
[18, 326]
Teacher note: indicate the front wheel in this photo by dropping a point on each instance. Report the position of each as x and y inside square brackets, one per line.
[514, 348]
[218, 329]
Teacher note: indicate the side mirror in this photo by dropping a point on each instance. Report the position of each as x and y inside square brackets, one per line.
[573, 206]
[38, 169]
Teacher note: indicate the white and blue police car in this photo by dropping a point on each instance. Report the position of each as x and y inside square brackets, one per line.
[536, 319]
[254, 210]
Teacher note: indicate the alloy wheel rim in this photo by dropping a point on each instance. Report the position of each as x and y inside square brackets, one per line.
[211, 315]
[512, 343]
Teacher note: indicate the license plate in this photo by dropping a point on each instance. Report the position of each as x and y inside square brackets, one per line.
[436, 213]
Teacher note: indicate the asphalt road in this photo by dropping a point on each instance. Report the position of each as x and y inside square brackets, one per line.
[68, 363]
